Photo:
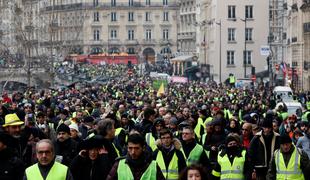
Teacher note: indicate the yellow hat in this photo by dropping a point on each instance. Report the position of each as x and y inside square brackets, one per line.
[12, 120]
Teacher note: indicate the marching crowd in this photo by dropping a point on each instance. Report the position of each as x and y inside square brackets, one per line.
[126, 130]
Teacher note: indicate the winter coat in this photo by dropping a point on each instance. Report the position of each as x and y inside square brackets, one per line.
[168, 155]
[86, 169]
[11, 167]
[258, 154]
[304, 144]
[67, 149]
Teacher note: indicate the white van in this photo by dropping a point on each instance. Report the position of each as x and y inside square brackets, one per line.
[285, 92]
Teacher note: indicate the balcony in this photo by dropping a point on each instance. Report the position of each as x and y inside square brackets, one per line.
[115, 42]
[165, 42]
[131, 42]
[187, 35]
[149, 42]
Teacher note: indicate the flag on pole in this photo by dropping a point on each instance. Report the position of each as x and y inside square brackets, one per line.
[161, 90]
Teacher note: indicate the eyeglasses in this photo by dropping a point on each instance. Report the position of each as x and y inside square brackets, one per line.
[244, 129]
[165, 137]
[186, 133]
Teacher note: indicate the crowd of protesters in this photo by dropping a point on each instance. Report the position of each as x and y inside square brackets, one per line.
[125, 129]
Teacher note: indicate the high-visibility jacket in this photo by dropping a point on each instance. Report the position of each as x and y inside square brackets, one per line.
[308, 105]
[172, 172]
[234, 170]
[292, 170]
[150, 140]
[57, 172]
[198, 128]
[232, 79]
[304, 116]
[124, 172]
[194, 155]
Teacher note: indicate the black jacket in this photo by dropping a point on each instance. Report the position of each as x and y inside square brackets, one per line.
[86, 169]
[11, 167]
[259, 153]
[67, 149]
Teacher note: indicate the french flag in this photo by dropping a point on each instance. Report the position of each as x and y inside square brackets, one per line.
[284, 68]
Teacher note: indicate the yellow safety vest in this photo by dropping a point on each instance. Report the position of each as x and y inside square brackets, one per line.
[232, 79]
[197, 129]
[308, 105]
[234, 170]
[57, 172]
[150, 140]
[124, 172]
[172, 172]
[194, 155]
[292, 171]
[118, 131]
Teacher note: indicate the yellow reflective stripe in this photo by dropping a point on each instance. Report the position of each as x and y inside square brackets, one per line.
[116, 150]
[215, 173]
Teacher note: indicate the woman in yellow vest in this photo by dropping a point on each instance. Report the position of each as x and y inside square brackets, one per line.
[232, 161]
[289, 162]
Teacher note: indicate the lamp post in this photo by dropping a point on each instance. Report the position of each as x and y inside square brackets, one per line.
[220, 51]
[245, 50]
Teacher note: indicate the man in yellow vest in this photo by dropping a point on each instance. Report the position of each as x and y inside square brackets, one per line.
[168, 155]
[232, 161]
[47, 168]
[288, 162]
[136, 164]
[232, 80]
[194, 153]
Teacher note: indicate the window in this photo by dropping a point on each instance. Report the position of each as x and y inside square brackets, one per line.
[247, 57]
[148, 2]
[113, 2]
[113, 16]
[96, 3]
[248, 34]
[131, 34]
[230, 57]
[249, 12]
[166, 16]
[231, 34]
[166, 34]
[96, 35]
[147, 16]
[130, 16]
[231, 12]
[130, 2]
[96, 16]
[148, 34]
[131, 50]
[165, 2]
[113, 34]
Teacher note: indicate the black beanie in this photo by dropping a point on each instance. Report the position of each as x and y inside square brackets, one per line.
[267, 123]
[63, 128]
[233, 137]
[285, 139]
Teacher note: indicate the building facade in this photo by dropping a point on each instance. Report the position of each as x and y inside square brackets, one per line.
[235, 33]
[146, 28]
[298, 44]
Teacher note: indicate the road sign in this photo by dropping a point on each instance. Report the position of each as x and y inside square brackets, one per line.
[253, 78]
[264, 50]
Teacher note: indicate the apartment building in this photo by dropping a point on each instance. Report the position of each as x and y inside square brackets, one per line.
[146, 28]
[235, 33]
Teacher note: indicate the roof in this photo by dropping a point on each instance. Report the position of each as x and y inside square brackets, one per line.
[182, 58]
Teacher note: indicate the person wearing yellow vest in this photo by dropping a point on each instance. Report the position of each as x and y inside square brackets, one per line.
[232, 161]
[151, 137]
[46, 167]
[168, 155]
[232, 80]
[194, 153]
[136, 165]
[288, 162]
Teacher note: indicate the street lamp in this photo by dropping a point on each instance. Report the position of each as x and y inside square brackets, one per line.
[245, 50]
[220, 51]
